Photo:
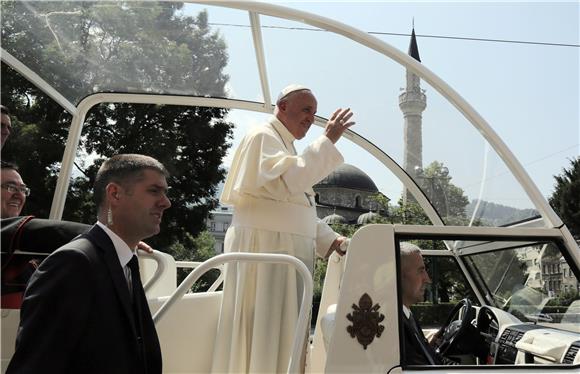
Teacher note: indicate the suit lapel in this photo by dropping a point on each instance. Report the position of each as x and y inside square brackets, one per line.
[104, 243]
[418, 332]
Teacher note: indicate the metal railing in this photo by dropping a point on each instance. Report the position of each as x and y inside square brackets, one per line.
[195, 264]
[301, 326]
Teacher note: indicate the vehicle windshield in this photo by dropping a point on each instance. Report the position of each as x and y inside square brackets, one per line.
[532, 281]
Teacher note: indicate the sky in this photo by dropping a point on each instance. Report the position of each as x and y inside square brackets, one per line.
[528, 93]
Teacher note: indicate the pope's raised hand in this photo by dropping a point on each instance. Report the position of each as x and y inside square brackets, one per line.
[338, 123]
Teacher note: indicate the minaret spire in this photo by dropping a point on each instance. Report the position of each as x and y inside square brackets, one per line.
[412, 102]
[413, 48]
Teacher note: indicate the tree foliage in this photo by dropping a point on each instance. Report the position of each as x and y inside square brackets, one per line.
[85, 47]
[203, 249]
[448, 199]
[566, 197]
[493, 214]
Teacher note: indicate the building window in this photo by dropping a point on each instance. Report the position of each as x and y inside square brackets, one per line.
[357, 201]
[212, 226]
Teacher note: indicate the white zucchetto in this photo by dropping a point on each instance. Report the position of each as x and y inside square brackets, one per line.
[289, 89]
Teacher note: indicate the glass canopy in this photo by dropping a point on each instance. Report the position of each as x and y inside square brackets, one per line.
[77, 49]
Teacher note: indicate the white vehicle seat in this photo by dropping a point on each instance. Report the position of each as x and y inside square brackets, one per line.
[327, 325]
[187, 338]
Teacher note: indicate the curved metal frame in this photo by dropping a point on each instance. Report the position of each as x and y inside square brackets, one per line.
[86, 104]
[195, 264]
[162, 264]
[301, 326]
[428, 76]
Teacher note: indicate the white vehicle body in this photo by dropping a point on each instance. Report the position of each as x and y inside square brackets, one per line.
[187, 323]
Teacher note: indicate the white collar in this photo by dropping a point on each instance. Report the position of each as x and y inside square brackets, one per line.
[286, 135]
[123, 251]
[407, 311]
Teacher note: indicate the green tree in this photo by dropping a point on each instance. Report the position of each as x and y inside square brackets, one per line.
[409, 213]
[36, 144]
[185, 139]
[448, 199]
[204, 249]
[83, 46]
[566, 197]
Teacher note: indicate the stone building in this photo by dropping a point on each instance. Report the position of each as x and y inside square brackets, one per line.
[569, 283]
[218, 223]
[547, 270]
[346, 196]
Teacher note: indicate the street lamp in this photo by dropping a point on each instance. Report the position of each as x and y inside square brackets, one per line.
[441, 174]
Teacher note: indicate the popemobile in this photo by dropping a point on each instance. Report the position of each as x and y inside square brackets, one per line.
[494, 298]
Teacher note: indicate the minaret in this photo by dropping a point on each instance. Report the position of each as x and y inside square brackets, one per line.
[412, 103]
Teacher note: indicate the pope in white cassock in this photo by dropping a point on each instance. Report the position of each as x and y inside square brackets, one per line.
[270, 187]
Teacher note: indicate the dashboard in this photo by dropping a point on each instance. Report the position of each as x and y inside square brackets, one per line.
[512, 342]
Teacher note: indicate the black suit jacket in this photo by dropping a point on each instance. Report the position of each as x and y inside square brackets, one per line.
[77, 315]
[416, 347]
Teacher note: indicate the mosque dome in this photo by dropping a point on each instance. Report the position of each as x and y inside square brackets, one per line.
[333, 219]
[348, 176]
[367, 218]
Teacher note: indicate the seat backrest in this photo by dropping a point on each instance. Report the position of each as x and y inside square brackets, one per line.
[329, 298]
[26, 242]
[366, 331]
[188, 337]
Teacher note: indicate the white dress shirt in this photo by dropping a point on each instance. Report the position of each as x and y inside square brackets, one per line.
[124, 253]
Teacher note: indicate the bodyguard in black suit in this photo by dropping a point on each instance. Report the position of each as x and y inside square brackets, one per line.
[84, 310]
[414, 279]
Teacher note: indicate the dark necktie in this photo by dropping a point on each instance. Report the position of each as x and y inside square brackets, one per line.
[137, 290]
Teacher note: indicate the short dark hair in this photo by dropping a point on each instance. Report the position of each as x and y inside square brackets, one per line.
[4, 110]
[8, 165]
[123, 169]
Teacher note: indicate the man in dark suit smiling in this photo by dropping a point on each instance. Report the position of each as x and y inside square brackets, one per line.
[84, 310]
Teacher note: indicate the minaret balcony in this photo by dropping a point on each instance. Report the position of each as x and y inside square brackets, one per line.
[415, 101]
